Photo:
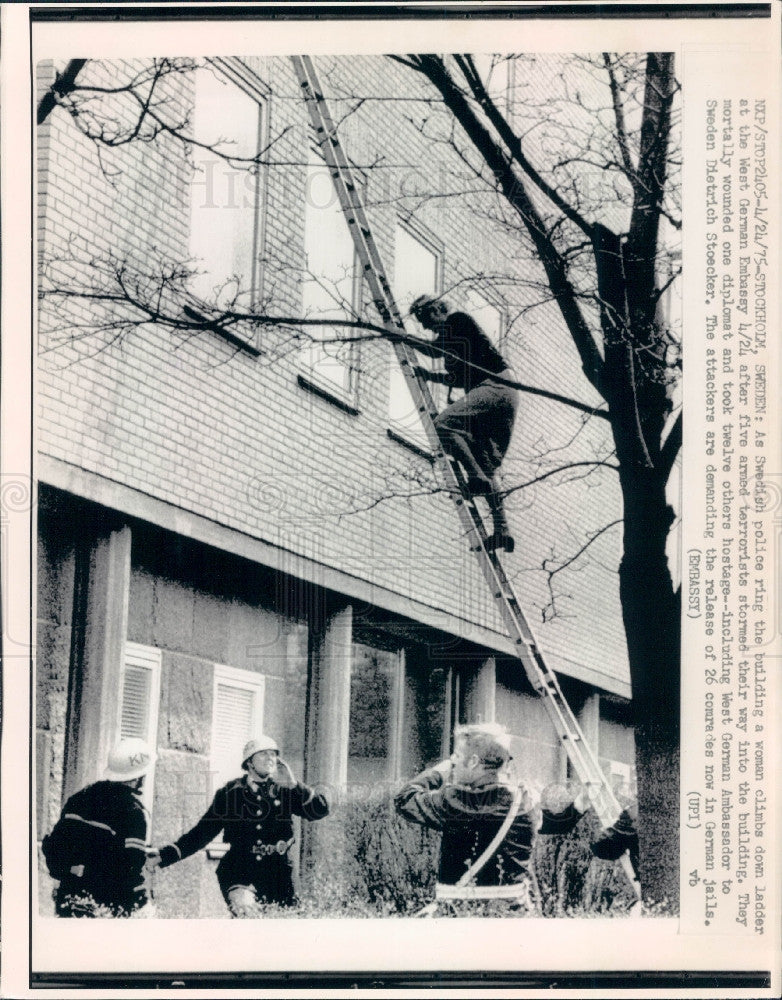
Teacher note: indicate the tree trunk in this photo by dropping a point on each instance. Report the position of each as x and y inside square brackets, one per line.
[631, 377]
[651, 614]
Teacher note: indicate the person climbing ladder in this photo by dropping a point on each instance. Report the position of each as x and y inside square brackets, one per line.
[476, 429]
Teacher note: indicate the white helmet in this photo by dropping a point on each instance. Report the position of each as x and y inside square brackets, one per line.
[262, 742]
[129, 759]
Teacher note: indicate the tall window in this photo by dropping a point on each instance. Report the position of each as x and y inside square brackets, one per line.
[331, 288]
[400, 713]
[417, 270]
[140, 700]
[237, 716]
[226, 197]
[376, 684]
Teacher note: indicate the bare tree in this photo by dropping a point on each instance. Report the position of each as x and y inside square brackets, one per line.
[590, 249]
[587, 201]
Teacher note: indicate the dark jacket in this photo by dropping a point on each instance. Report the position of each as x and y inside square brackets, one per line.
[104, 828]
[560, 823]
[469, 817]
[617, 839]
[469, 356]
[251, 820]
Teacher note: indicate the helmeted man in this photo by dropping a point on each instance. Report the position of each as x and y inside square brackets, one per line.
[476, 429]
[468, 798]
[97, 849]
[562, 860]
[560, 852]
[254, 813]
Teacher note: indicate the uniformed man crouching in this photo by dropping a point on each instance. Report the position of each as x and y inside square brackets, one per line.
[254, 812]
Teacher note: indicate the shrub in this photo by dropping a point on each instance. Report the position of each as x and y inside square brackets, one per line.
[572, 882]
[391, 863]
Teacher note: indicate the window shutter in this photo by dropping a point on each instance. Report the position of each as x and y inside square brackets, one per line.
[236, 717]
[232, 727]
[139, 702]
[136, 692]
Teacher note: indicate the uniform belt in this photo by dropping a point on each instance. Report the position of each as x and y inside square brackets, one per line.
[512, 891]
[281, 847]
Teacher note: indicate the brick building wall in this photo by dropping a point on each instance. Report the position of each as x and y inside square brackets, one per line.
[172, 430]
[236, 439]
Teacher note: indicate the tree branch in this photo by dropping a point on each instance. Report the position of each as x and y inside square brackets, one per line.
[513, 143]
[144, 293]
[619, 118]
[518, 198]
[551, 573]
[63, 83]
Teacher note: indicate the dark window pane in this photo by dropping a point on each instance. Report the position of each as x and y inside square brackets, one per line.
[372, 712]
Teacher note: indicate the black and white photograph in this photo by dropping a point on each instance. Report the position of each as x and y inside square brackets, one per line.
[357, 548]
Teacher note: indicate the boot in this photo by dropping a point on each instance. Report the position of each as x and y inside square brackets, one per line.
[501, 537]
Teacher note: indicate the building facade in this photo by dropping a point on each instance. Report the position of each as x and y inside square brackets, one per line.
[236, 526]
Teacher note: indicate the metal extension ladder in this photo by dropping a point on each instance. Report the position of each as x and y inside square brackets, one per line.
[540, 675]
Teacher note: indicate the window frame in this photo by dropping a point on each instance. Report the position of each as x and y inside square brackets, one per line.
[150, 658]
[427, 239]
[237, 73]
[308, 376]
[396, 713]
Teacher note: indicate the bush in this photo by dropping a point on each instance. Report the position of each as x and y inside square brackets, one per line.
[572, 882]
[390, 867]
[390, 863]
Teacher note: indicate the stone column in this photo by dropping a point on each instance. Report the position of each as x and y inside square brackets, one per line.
[589, 720]
[97, 654]
[480, 692]
[328, 721]
[396, 754]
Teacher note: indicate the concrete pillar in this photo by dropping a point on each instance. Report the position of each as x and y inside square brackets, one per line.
[97, 655]
[397, 709]
[480, 692]
[451, 712]
[329, 711]
[589, 720]
[328, 722]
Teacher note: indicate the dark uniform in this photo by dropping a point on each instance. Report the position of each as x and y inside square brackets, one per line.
[484, 417]
[469, 356]
[469, 817]
[103, 832]
[621, 837]
[256, 822]
[560, 858]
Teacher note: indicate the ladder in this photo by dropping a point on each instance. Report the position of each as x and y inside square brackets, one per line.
[540, 675]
